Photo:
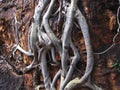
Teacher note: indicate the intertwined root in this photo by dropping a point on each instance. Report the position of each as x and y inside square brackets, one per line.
[42, 40]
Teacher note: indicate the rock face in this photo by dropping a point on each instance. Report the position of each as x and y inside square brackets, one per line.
[8, 79]
[101, 17]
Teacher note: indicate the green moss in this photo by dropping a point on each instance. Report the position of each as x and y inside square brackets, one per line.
[116, 66]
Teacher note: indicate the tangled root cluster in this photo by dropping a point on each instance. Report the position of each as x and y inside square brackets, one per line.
[43, 41]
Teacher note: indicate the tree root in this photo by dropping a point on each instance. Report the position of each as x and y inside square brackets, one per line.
[43, 65]
[55, 80]
[76, 82]
[49, 31]
[66, 38]
[42, 41]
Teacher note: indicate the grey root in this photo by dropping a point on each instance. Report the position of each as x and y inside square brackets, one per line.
[42, 40]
